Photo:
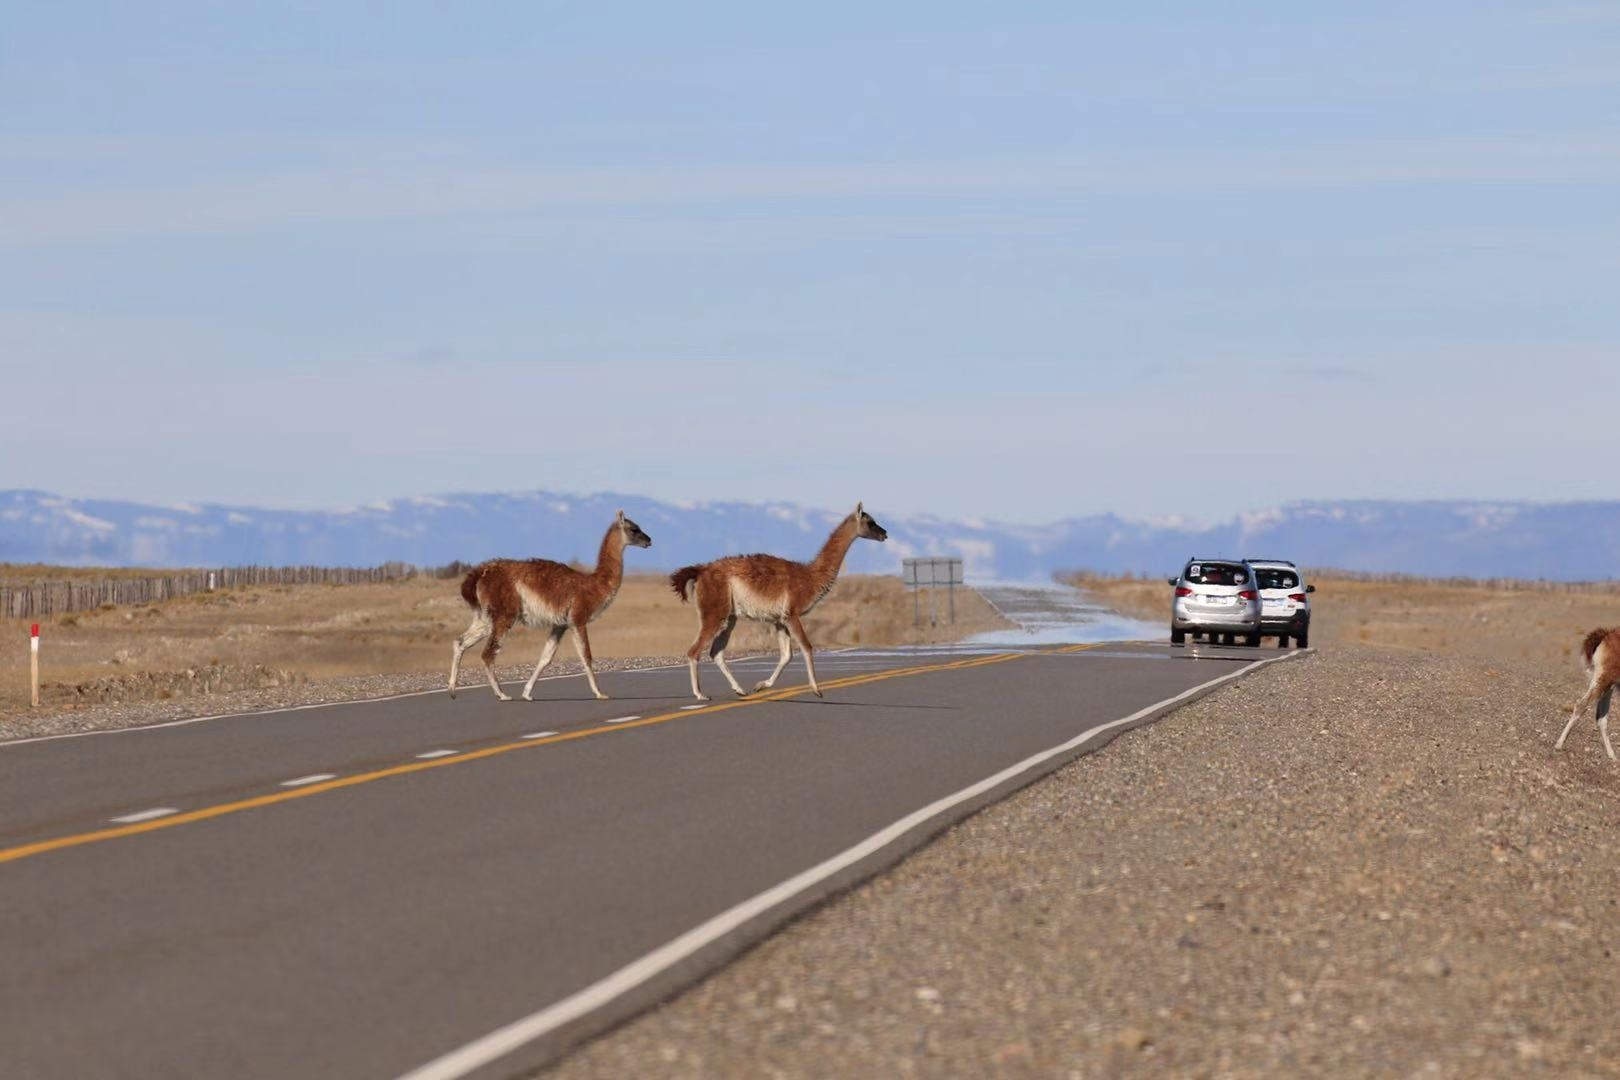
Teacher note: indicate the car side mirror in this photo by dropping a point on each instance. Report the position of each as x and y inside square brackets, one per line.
[1172, 581]
[1310, 588]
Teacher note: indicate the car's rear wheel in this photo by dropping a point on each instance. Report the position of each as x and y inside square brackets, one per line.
[1177, 637]
[1303, 641]
[1252, 641]
[1282, 641]
[1226, 639]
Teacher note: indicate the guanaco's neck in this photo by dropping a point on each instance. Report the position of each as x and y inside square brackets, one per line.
[825, 566]
[610, 560]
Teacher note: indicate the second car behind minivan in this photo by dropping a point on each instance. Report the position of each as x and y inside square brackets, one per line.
[1285, 601]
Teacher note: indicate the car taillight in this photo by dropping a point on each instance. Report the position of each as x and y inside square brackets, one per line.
[1297, 597]
[1247, 594]
[1182, 590]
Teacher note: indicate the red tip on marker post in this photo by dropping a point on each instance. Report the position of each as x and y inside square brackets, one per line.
[33, 631]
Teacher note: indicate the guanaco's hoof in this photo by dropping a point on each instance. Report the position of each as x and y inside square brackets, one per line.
[740, 693]
[819, 694]
[761, 686]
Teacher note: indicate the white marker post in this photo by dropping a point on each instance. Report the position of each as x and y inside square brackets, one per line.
[33, 665]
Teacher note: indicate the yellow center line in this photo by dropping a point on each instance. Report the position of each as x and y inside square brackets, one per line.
[40, 847]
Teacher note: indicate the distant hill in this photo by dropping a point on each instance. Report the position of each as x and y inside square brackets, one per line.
[1564, 541]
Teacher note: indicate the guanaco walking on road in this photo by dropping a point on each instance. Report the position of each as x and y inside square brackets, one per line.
[769, 590]
[545, 594]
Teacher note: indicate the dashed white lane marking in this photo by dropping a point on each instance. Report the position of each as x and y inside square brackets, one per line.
[313, 778]
[689, 708]
[438, 753]
[146, 815]
[621, 719]
[538, 735]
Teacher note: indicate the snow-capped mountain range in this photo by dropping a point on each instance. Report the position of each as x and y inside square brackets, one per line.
[1562, 541]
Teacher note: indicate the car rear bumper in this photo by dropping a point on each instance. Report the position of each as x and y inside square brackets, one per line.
[1293, 624]
[1216, 620]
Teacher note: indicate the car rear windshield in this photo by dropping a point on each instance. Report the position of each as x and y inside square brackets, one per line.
[1216, 573]
[1276, 579]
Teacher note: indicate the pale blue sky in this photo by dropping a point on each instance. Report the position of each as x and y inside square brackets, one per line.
[977, 259]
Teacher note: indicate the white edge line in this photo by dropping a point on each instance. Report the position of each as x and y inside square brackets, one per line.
[438, 753]
[146, 815]
[313, 778]
[538, 735]
[183, 721]
[504, 1040]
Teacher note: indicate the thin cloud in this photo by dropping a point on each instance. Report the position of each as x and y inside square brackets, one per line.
[1331, 373]
[321, 196]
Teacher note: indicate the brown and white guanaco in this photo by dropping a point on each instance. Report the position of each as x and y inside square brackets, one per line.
[1601, 651]
[766, 589]
[543, 594]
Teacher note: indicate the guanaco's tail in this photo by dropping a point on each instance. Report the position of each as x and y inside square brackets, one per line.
[1590, 645]
[683, 577]
[469, 585]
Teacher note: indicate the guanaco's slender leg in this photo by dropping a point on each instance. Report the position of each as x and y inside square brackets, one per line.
[712, 615]
[546, 653]
[718, 651]
[1603, 719]
[1587, 698]
[582, 645]
[706, 633]
[800, 638]
[474, 634]
[784, 645]
[492, 647]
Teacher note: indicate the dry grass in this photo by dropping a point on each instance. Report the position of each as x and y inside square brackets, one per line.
[270, 635]
[1464, 620]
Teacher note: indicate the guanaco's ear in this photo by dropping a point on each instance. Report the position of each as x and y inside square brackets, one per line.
[620, 518]
[858, 509]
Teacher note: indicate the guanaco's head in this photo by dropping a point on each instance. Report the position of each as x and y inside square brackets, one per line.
[866, 526]
[633, 536]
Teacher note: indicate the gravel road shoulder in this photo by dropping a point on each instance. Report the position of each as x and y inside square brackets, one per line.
[1356, 864]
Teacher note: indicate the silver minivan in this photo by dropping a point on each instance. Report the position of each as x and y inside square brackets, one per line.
[1216, 598]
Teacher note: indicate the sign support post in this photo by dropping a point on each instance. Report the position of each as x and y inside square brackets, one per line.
[932, 572]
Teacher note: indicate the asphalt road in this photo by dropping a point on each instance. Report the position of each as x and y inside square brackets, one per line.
[445, 888]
